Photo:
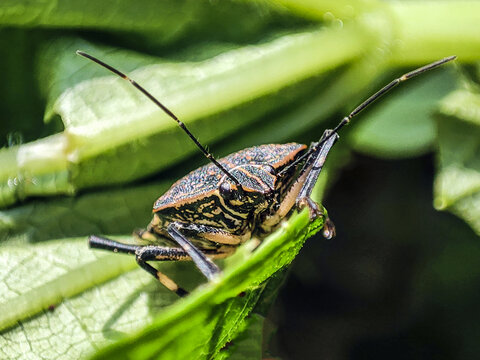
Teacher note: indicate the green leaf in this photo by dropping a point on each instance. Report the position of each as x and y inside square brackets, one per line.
[457, 185]
[402, 124]
[42, 276]
[248, 343]
[103, 311]
[114, 211]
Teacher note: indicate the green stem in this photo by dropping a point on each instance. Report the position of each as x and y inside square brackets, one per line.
[430, 30]
[36, 168]
[328, 9]
[423, 31]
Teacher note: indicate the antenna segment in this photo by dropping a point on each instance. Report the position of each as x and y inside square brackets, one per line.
[370, 100]
[208, 155]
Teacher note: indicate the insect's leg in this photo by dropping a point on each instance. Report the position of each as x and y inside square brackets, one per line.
[312, 169]
[98, 242]
[144, 254]
[299, 193]
[204, 264]
[159, 253]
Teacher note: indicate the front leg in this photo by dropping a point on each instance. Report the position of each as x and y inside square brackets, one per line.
[204, 264]
[179, 233]
[312, 169]
[299, 192]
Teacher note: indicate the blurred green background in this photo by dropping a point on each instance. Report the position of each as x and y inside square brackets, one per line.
[83, 153]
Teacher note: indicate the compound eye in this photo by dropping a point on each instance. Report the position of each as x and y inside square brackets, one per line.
[226, 190]
[270, 169]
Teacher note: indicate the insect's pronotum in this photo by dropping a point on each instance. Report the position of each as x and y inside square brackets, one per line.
[212, 210]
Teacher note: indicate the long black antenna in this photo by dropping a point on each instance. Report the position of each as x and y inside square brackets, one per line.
[371, 99]
[208, 155]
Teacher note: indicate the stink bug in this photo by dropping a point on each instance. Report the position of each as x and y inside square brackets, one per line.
[215, 208]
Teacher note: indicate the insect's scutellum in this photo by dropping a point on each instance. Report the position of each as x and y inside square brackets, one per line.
[217, 207]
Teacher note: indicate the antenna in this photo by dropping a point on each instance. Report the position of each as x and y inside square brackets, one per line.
[370, 100]
[208, 155]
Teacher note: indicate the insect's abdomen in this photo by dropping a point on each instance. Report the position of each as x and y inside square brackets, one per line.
[209, 210]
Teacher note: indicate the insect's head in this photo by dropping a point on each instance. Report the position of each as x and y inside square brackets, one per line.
[258, 184]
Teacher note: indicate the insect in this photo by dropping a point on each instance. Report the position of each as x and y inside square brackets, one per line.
[209, 212]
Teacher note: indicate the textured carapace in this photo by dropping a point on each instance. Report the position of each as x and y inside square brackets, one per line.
[207, 178]
[207, 197]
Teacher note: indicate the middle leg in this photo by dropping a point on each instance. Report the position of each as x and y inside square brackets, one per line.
[144, 253]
